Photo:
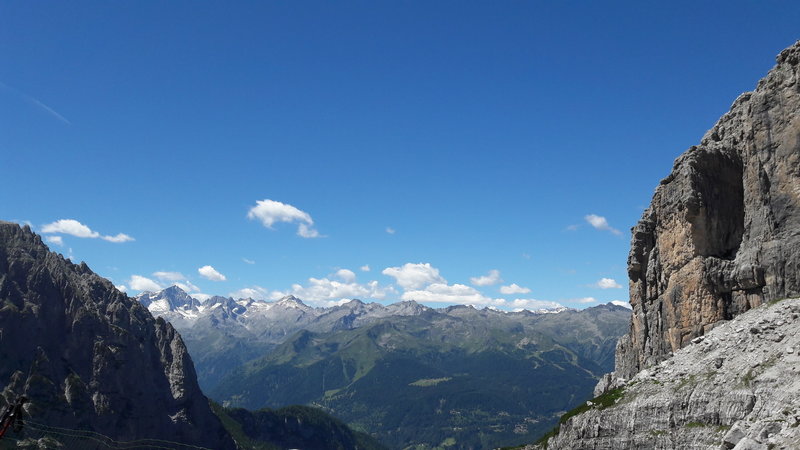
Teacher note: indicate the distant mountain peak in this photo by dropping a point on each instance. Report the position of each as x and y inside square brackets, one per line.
[291, 301]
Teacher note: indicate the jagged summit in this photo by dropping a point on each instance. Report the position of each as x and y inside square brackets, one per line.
[88, 357]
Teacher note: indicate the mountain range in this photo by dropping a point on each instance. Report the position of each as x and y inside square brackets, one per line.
[410, 375]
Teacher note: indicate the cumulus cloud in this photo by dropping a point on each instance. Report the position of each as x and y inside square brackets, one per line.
[121, 288]
[140, 283]
[583, 300]
[321, 290]
[514, 288]
[57, 240]
[533, 304]
[270, 212]
[348, 276]
[255, 292]
[414, 276]
[607, 283]
[70, 227]
[74, 228]
[211, 273]
[493, 277]
[456, 293]
[365, 268]
[600, 223]
[624, 304]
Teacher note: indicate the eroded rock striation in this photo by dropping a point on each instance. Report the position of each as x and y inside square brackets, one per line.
[90, 358]
[722, 234]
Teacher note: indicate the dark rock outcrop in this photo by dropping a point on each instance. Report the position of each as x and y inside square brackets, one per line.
[722, 234]
[89, 357]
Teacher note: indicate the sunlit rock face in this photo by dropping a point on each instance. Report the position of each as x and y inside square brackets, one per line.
[711, 359]
[90, 358]
[722, 234]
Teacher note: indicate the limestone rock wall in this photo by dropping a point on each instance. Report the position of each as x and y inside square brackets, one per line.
[722, 234]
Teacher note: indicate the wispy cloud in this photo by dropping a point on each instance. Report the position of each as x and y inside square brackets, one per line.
[35, 102]
[600, 223]
[514, 288]
[248, 261]
[391, 230]
[57, 240]
[493, 277]
[74, 228]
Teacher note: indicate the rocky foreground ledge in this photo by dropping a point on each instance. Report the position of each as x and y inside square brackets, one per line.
[738, 387]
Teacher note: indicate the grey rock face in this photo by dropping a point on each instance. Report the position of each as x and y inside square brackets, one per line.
[89, 357]
[686, 402]
[722, 234]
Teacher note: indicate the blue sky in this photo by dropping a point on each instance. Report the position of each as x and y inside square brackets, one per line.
[464, 152]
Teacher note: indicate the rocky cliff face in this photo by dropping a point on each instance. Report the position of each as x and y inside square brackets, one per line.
[89, 357]
[722, 234]
[711, 357]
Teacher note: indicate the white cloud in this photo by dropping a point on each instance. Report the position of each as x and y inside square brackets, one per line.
[583, 300]
[255, 292]
[200, 297]
[248, 261]
[70, 227]
[390, 230]
[533, 304]
[122, 288]
[607, 283]
[187, 286]
[493, 277]
[365, 268]
[514, 288]
[140, 283]
[57, 240]
[321, 290]
[74, 228]
[348, 276]
[600, 223]
[211, 273]
[306, 231]
[574, 227]
[414, 276]
[169, 276]
[624, 304]
[270, 212]
[455, 294]
[120, 237]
